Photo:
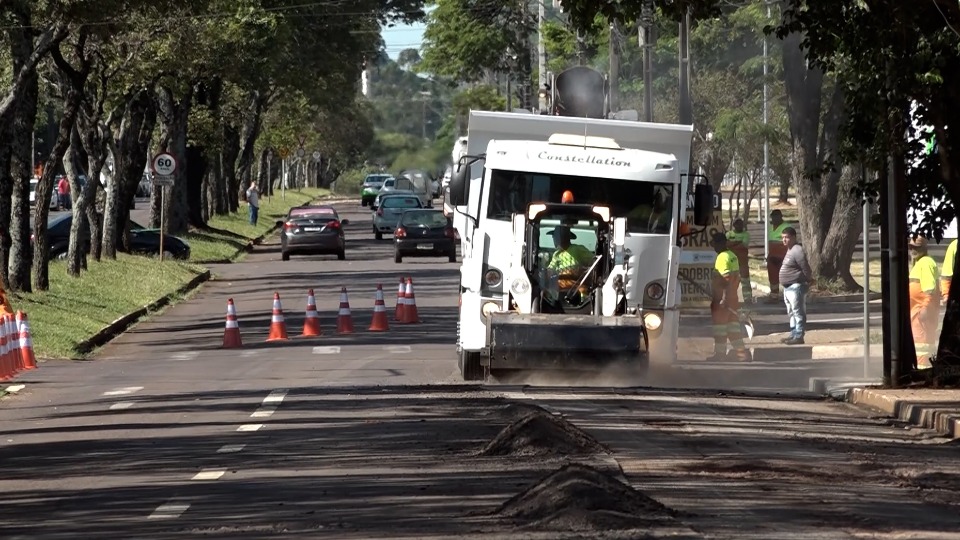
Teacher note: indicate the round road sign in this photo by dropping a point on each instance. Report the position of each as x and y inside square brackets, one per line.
[316, 156]
[164, 164]
[301, 152]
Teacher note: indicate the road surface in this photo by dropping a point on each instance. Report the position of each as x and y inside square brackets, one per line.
[366, 435]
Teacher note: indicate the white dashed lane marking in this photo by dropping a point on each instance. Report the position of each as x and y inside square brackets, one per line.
[186, 355]
[13, 389]
[230, 448]
[169, 510]
[250, 427]
[263, 412]
[123, 391]
[209, 474]
[120, 405]
[248, 354]
[397, 349]
[326, 350]
[275, 397]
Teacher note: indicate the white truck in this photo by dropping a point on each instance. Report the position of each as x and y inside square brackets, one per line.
[511, 192]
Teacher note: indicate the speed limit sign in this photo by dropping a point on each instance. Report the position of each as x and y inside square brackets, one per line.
[164, 164]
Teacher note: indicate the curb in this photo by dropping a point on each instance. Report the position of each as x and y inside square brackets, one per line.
[940, 416]
[822, 299]
[122, 324]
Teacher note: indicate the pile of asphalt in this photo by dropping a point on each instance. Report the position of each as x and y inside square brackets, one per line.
[539, 433]
[581, 498]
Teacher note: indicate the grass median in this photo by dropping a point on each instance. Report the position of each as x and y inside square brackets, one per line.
[75, 309]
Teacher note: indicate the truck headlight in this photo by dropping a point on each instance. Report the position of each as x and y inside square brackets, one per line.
[654, 291]
[652, 321]
[489, 308]
[520, 286]
[492, 278]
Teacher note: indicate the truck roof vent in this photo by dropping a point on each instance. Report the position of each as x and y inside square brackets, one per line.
[583, 141]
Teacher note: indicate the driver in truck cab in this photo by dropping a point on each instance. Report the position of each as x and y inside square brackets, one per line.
[569, 259]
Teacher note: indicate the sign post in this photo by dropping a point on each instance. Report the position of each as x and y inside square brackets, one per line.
[164, 165]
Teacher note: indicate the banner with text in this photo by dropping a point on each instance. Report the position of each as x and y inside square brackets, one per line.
[697, 256]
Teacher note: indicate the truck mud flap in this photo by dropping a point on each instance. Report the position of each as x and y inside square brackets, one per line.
[562, 342]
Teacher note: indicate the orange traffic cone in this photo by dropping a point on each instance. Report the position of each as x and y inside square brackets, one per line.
[410, 314]
[398, 311]
[231, 334]
[344, 318]
[311, 324]
[278, 328]
[7, 366]
[12, 328]
[379, 322]
[27, 359]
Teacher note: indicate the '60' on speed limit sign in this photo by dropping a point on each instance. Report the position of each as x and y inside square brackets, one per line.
[164, 164]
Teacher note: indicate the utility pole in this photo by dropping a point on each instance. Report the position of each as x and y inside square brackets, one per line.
[614, 66]
[541, 48]
[766, 151]
[686, 103]
[646, 41]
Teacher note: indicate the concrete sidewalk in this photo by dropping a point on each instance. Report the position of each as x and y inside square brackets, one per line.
[938, 410]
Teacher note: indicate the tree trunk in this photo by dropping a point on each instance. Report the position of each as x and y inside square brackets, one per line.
[76, 258]
[829, 206]
[6, 191]
[44, 189]
[108, 242]
[196, 175]
[21, 170]
[173, 115]
[228, 199]
[26, 61]
[213, 183]
[133, 146]
[94, 138]
[253, 122]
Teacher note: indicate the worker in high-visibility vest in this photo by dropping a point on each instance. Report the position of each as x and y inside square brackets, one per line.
[738, 240]
[724, 304]
[946, 274]
[776, 250]
[924, 301]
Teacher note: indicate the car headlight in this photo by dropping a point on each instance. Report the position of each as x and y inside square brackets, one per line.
[489, 308]
[520, 286]
[492, 278]
[654, 291]
[652, 321]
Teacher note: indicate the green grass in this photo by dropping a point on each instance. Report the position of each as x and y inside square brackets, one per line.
[758, 274]
[74, 309]
[213, 246]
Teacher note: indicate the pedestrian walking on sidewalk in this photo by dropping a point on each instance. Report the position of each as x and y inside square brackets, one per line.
[738, 240]
[253, 200]
[724, 304]
[924, 301]
[795, 276]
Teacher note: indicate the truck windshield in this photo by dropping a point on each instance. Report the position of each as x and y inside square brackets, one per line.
[648, 206]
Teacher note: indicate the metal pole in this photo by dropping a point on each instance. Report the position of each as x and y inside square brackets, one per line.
[766, 154]
[866, 284]
[541, 48]
[163, 215]
[646, 37]
[614, 67]
[283, 180]
[686, 106]
[509, 91]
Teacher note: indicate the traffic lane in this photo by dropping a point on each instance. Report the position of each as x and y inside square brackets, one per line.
[764, 465]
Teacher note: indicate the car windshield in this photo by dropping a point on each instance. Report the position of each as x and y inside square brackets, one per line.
[401, 202]
[374, 181]
[134, 226]
[431, 219]
[389, 182]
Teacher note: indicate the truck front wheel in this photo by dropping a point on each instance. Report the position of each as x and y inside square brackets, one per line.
[470, 366]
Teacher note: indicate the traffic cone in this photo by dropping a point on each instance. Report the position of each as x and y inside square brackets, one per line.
[398, 311]
[12, 329]
[410, 314]
[27, 359]
[311, 324]
[379, 321]
[231, 334]
[344, 319]
[7, 366]
[278, 328]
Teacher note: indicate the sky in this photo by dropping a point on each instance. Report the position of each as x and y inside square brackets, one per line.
[402, 37]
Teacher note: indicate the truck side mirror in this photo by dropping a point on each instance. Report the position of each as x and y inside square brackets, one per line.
[459, 183]
[702, 205]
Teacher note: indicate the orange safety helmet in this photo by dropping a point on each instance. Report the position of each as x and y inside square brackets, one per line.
[567, 197]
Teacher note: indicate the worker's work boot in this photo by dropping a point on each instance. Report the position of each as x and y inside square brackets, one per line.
[741, 355]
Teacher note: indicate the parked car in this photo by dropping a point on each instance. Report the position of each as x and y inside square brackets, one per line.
[371, 186]
[143, 241]
[33, 194]
[388, 214]
[424, 233]
[392, 191]
[312, 230]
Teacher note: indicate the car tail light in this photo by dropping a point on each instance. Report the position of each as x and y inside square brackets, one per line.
[400, 232]
[289, 226]
[448, 232]
[333, 224]
[380, 212]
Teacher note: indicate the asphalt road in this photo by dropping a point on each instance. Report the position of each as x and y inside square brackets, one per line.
[366, 435]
